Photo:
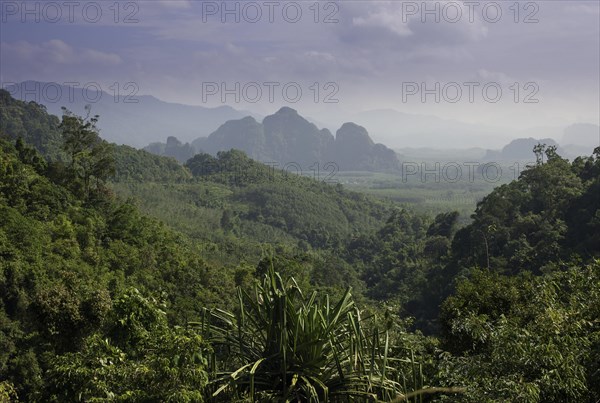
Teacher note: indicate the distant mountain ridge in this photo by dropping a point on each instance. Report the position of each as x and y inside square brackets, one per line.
[172, 148]
[400, 129]
[520, 149]
[127, 118]
[286, 137]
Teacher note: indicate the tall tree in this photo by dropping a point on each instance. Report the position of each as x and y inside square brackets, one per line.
[91, 160]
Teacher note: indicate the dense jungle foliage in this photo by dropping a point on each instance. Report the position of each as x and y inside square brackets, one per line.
[125, 276]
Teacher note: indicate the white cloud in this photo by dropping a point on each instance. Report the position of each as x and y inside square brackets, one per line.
[324, 56]
[175, 4]
[233, 49]
[56, 51]
[95, 56]
[495, 76]
[384, 19]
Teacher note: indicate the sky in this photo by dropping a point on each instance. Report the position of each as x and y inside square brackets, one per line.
[503, 64]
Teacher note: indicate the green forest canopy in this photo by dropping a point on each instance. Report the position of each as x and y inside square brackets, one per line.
[109, 298]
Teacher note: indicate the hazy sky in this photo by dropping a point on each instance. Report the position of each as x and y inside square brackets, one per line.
[364, 54]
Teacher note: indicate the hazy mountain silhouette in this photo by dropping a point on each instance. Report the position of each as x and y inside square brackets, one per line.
[399, 129]
[353, 149]
[287, 137]
[172, 148]
[521, 149]
[122, 119]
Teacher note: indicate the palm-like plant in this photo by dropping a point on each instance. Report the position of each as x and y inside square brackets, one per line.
[281, 345]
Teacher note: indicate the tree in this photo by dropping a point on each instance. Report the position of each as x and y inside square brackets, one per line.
[227, 220]
[524, 338]
[138, 358]
[443, 225]
[90, 157]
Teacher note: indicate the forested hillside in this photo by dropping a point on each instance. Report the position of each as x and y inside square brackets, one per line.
[125, 276]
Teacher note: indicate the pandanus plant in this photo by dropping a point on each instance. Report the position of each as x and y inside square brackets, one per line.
[282, 345]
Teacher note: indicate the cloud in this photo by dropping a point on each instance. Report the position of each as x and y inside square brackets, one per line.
[175, 4]
[495, 76]
[586, 8]
[94, 56]
[384, 19]
[320, 56]
[234, 49]
[56, 51]
[370, 51]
